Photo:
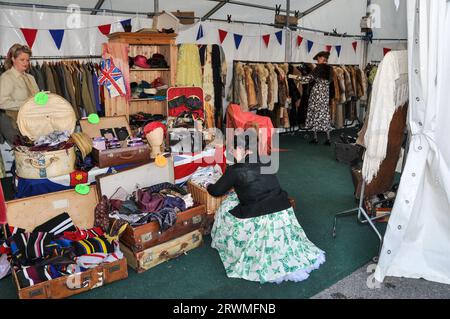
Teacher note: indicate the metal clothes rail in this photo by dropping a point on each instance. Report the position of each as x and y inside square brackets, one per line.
[54, 57]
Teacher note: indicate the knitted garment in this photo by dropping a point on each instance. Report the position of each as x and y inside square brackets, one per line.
[57, 225]
[92, 246]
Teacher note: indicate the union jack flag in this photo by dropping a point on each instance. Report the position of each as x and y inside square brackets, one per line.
[111, 75]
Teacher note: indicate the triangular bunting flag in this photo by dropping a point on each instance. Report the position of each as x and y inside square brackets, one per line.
[237, 40]
[266, 39]
[338, 50]
[222, 35]
[299, 40]
[57, 36]
[386, 50]
[30, 36]
[279, 35]
[355, 45]
[328, 48]
[105, 29]
[199, 33]
[310, 45]
[126, 24]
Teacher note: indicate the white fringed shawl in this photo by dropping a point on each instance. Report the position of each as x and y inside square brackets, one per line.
[390, 90]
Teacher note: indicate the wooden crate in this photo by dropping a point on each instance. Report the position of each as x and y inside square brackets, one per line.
[200, 195]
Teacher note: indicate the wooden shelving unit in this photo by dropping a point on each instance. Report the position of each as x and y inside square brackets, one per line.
[145, 44]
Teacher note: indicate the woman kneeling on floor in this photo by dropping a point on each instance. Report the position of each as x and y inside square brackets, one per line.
[255, 230]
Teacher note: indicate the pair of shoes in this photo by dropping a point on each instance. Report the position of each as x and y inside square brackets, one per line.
[327, 142]
[314, 141]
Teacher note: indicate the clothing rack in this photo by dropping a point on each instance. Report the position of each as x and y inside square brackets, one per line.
[292, 130]
[54, 57]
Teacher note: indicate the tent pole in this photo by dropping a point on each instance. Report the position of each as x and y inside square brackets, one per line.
[287, 45]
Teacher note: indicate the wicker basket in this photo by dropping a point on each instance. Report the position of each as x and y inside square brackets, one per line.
[201, 196]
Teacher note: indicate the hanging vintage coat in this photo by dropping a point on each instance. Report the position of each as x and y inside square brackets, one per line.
[250, 87]
[189, 71]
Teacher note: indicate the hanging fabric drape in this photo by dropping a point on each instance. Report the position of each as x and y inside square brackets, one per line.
[417, 240]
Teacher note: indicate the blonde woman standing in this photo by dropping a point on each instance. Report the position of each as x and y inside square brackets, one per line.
[16, 86]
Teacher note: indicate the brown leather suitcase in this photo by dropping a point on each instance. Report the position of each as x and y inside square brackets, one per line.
[151, 257]
[114, 157]
[150, 234]
[27, 213]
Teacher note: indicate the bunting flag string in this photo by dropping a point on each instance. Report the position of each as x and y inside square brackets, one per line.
[355, 45]
[237, 40]
[57, 36]
[386, 51]
[338, 50]
[29, 35]
[105, 28]
[279, 35]
[266, 39]
[199, 33]
[310, 46]
[299, 40]
[222, 35]
[328, 48]
[126, 24]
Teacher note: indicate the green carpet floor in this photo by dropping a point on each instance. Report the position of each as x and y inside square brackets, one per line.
[321, 187]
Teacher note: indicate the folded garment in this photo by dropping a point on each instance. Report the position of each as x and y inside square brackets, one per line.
[57, 225]
[5, 266]
[131, 219]
[166, 218]
[158, 187]
[205, 176]
[93, 260]
[92, 246]
[53, 138]
[28, 248]
[174, 202]
[80, 234]
[148, 202]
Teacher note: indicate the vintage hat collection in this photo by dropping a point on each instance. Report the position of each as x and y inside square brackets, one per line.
[156, 61]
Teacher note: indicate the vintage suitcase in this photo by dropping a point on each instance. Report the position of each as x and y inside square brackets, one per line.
[36, 120]
[114, 157]
[151, 257]
[29, 212]
[149, 235]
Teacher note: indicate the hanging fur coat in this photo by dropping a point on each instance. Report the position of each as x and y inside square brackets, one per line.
[250, 87]
[208, 81]
[240, 86]
[273, 77]
[263, 75]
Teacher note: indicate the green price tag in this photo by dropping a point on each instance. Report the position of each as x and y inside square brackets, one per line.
[93, 118]
[41, 98]
[82, 189]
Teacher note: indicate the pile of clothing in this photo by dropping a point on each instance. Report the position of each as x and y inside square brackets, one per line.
[205, 176]
[161, 203]
[58, 248]
[156, 90]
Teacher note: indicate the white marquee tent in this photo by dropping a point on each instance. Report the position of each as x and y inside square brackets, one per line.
[417, 240]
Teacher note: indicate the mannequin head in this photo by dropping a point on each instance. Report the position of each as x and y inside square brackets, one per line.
[155, 139]
[155, 133]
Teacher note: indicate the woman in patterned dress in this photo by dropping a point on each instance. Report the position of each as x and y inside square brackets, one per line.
[255, 230]
[318, 118]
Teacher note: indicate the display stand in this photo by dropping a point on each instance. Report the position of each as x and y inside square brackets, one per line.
[383, 181]
[145, 44]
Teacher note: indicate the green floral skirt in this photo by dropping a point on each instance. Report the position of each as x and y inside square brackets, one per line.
[269, 248]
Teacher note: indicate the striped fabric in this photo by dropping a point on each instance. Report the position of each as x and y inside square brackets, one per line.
[93, 260]
[92, 246]
[57, 225]
[81, 234]
[29, 247]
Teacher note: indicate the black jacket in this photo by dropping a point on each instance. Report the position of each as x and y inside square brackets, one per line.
[259, 194]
